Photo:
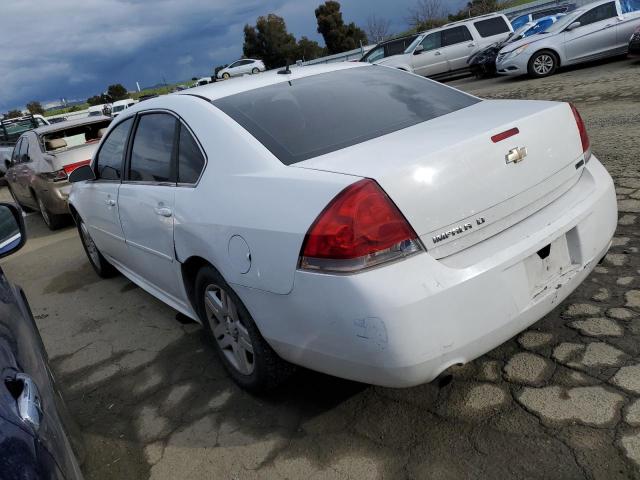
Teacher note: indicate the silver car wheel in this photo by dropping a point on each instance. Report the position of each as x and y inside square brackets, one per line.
[230, 334]
[543, 64]
[43, 211]
[92, 250]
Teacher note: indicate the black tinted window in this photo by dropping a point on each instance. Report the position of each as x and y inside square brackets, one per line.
[306, 117]
[110, 156]
[16, 151]
[23, 156]
[603, 12]
[456, 35]
[190, 159]
[152, 149]
[491, 26]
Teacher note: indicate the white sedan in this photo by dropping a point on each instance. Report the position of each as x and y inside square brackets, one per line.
[241, 67]
[302, 226]
[598, 30]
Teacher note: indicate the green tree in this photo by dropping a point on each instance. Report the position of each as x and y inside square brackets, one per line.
[338, 36]
[117, 92]
[309, 49]
[35, 108]
[15, 113]
[475, 8]
[98, 99]
[269, 41]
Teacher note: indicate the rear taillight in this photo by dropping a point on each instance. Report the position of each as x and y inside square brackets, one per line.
[360, 228]
[72, 166]
[584, 137]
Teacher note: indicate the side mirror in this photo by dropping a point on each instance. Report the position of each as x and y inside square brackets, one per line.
[13, 235]
[573, 26]
[81, 174]
[418, 50]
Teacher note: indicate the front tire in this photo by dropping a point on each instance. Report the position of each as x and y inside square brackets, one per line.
[255, 70]
[542, 64]
[245, 354]
[100, 264]
[51, 220]
[226, 76]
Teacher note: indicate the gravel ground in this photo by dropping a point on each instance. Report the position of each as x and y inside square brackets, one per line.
[561, 400]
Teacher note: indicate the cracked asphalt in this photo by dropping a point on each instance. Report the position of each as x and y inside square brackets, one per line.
[559, 401]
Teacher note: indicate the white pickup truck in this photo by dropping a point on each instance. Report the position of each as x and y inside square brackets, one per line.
[10, 131]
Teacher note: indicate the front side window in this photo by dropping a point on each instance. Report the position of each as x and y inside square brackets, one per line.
[235, 64]
[491, 27]
[152, 149]
[109, 158]
[432, 41]
[190, 158]
[375, 54]
[306, 117]
[456, 35]
[24, 150]
[598, 14]
[15, 156]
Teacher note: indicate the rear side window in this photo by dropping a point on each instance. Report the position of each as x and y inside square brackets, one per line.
[456, 35]
[152, 149]
[311, 116]
[491, 26]
[598, 14]
[190, 158]
[109, 160]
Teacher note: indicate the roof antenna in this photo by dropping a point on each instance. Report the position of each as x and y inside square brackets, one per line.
[286, 70]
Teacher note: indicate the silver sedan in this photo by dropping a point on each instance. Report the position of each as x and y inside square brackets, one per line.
[595, 31]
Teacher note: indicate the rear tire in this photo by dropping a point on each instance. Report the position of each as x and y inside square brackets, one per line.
[51, 220]
[255, 70]
[542, 64]
[100, 264]
[245, 354]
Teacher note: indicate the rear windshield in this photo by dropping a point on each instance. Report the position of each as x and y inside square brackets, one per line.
[75, 136]
[307, 117]
[492, 26]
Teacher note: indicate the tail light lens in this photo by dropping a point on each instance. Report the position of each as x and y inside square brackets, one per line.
[360, 228]
[584, 137]
[72, 166]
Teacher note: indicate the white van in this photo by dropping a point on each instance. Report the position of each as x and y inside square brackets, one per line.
[121, 105]
[444, 51]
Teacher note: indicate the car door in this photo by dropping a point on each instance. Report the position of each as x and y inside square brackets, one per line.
[146, 201]
[11, 170]
[24, 170]
[431, 60]
[595, 36]
[100, 196]
[457, 45]
[234, 68]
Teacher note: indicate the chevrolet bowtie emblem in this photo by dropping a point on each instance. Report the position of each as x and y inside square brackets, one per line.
[516, 155]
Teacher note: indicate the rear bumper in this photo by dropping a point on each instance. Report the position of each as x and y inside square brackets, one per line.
[55, 196]
[403, 324]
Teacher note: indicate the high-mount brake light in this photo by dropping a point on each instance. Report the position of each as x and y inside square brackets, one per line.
[360, 228]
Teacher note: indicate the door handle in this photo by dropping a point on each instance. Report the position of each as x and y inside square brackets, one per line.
[163, 211]
[437, 53]
[472, 44]
[110, 202]
[29, 406]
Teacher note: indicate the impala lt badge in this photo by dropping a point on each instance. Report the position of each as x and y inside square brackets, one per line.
[516, 155]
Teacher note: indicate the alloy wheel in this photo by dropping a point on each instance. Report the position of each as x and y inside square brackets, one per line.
[543, 64]
[230, 333]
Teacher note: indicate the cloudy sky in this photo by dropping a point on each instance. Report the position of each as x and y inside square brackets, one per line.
[75, 48]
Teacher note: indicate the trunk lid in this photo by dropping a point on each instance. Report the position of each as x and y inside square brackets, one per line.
[60, 159]
[453, 183]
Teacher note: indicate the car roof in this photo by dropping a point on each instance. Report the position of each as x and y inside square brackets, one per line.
[214, 91]
[472, 19]
[68, 124]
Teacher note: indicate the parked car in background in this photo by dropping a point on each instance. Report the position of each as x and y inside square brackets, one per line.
[100, 110]
[241, 67]
[597, 30]
[634, 43]
[142, 98]
[203, 81]
[387, 48]
[57, 120]
[421, 237]
[36, 432]
[42, 160]
[10, 131]
[521, 20]
[121, 105]
[444, 51]
[484, 62]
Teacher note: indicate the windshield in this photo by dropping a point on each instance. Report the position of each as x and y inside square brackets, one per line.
[414, 44]
[519, 33]
[311, 116]
[564, 21]
[76, 136]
